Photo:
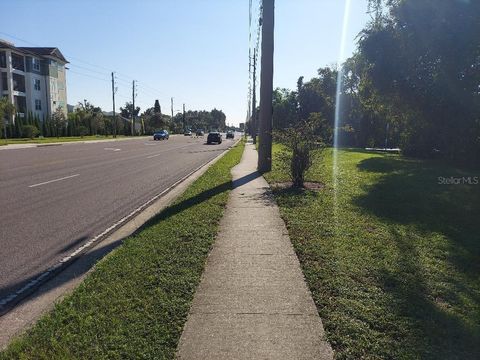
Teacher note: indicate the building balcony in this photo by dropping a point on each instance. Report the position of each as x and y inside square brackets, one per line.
[18, 82]
[18, 62]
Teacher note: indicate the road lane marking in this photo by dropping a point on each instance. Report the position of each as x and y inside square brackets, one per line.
[160, 153]
[112, 149]
[152, 156]
[54, 180]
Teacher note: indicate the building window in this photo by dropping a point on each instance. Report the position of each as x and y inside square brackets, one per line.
[36, 64]
[38, 104]
[4, 81]
[3, 59]
[36, 84]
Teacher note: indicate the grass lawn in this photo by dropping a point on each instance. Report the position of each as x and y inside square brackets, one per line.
[394, 269]
[135, 303]
[49, 140]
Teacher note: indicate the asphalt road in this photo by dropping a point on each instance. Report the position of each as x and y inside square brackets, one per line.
[54, 199]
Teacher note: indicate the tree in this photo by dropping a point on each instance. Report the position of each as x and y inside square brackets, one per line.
[318, 95]
[299, 140]
[91, 117]
[423, 67]
[7, 109]
[58, 121]
[217, 119]
[156, 108]
[285, 108]
[128, 110]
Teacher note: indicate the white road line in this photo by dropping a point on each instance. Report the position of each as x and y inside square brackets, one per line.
[112, 149]
[152, 156]
[55, 180]
[160, 153]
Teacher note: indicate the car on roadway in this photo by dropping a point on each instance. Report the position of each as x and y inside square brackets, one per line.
[230, 134]
[187, 133]
[161, 135]
[199, 132]
[214, 137]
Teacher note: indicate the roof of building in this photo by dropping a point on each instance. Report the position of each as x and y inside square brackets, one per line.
[39, 51]
[45, 51]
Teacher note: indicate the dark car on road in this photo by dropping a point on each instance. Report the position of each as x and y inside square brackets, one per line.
[214, 137]
[230, 134]
[160, 135]
[187, 133]
[199, 132]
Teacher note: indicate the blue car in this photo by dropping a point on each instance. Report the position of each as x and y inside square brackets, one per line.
[160, 135]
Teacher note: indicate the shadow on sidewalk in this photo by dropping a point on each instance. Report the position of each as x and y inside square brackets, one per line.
[201, 197]
[245, 179]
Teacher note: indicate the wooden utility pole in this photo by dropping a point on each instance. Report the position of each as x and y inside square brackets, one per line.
[266, 87]
[133, 107]
[113, 99]
[171, 106]
[254, 99]
[184, 128]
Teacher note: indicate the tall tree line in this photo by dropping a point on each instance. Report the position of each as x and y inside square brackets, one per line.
[413, 81]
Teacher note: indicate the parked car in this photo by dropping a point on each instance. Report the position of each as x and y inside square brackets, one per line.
[187, 133]
[230, 134]
[161, 135]
[214, 137]
[199, 132]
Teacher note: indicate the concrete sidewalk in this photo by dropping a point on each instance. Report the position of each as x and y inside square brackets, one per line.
[252, 302]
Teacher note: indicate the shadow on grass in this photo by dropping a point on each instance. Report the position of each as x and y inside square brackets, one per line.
[201, 197]
[409, 193]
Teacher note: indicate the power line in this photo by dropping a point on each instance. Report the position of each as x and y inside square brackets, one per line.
[87, 75]
[119, 76]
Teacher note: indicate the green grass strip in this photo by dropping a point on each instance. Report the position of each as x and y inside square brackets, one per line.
[136, 301]
[393, 262]
[49, 140]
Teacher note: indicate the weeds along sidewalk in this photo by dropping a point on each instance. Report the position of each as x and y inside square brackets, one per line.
[136, 301]
[252, 302]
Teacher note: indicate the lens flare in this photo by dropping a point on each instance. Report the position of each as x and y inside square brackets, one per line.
[338, 103]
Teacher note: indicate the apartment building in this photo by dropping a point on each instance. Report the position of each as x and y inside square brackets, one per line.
[33, 79]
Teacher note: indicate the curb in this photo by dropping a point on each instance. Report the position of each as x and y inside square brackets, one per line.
[8, 303]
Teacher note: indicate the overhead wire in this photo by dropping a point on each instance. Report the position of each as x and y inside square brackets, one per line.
[120, 77]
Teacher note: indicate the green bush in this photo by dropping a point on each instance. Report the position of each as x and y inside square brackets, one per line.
[82, 131]
[299, 142]
[30, 131]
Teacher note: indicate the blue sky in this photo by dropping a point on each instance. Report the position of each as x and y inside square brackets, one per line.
[193, 50]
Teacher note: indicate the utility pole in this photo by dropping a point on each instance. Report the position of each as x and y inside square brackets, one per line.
[171, 106]
[266, 87]
[254, 99]
[133, 107]
[184, 128]
[113, 99]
